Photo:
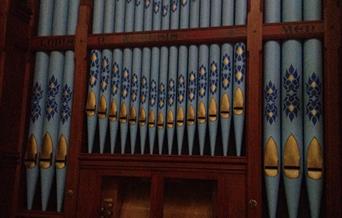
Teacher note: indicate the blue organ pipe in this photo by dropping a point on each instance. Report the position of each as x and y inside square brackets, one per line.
[136, 76]
[214, 76]
[172, 77]
[145, 79]
[38, 104]
[162, 90]
[152, 116]
[119, 26]
[94, 76]
[292, 114]
[226, 82]
[126, 76]
[192, 78]
[239, 78]
[105, 79]
[53, 104]
[66, 110]
[313, 113]
[203, 59]
[182, 77]
[272, 111]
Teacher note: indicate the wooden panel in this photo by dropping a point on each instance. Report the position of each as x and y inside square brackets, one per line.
[298, 30]
[89, 195]
[235, 196]
[332, 109]
[77, 126]
[253, 114]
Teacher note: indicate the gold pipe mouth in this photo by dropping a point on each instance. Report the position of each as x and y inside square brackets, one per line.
[90, 111]
[45, 160]
[112, 117]
[31, 155]
[238, 110]
[151, 119]
[212, 117]
[225, 114]
[191, 121]
[142, 117]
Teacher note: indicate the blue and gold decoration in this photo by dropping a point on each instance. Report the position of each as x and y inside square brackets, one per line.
[313, 112]
[292, 110]
[94, 76]
[239, 87]
[38, 104]
[226, 88]
[53, 105]
[172, 77]
[145, 78]
[126, 77]
[192, 78]
[155, 72]
[202, 77]
[272, 111]
[226, 81]
[66, 108]
[136, 76]
[114, 109]
[105, 80]
[162, 85]
[182, 77]
[214, 76]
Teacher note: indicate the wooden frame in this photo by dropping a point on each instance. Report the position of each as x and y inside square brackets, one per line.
[82, 166]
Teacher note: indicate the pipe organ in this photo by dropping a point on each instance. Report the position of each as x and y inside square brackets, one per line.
[219, 91]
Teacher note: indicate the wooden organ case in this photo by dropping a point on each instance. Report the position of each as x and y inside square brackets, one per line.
[116, 185]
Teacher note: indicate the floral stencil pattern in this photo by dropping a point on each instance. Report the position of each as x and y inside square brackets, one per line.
[213, 79]
[37, 96]
[181, 89]
[153, 92]
[192, 86]
[291, 85]
[94, 68]
[125, 83]
[165, 10]
[115, 79]
[135, 87]
[51, 103]
[162, 95]
[184, 2]
[314, 105]
[171, 92]
[105, 74]
[226, 69]
[66, 103]
[240, 62]
[156, 6]
[202, 81]
[147, 3]
[271, 94]
[174, 5]
[144, 89]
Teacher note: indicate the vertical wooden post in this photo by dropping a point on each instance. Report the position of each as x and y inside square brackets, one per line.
[157, 196]
[79, 99]
[254, 109]
[332, 108]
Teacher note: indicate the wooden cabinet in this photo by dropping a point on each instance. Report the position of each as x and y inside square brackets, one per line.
[152, 185]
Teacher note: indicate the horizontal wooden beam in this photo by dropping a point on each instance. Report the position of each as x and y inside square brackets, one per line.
[293, 30]
[160, 163]
[278, 31]
[168, 37]
[51, 43]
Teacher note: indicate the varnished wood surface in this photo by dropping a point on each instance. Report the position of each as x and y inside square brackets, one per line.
[232, 175]
[300, 30]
